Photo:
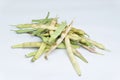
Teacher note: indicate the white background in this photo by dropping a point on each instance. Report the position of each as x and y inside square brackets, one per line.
[99, 18]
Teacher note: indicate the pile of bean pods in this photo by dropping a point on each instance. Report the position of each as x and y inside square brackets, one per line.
[56, 35]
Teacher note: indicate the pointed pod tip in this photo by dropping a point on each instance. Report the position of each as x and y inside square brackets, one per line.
[33, 60]
[99, 53]
[46, 58]
[86, 61]
[14, 46]
[108, 50]
[12, 25]
[26, 56]
[13, 30]
[79, 74]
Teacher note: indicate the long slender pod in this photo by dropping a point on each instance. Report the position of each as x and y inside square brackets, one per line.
[71, 56]
[27, 45]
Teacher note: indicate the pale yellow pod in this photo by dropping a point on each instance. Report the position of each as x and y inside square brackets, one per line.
[27, 45]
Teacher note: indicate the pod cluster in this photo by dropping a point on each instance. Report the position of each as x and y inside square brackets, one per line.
[56, 35]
